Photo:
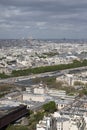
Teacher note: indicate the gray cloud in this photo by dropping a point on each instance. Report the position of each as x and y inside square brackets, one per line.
[43, 18]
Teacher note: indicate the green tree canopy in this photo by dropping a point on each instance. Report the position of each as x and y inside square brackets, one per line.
[50, 107]
[12, 127]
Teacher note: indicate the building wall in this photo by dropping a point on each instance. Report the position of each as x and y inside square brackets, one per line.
[39, 90]
[63, 125]
[48, 123]
[32, 97]
[40, 128]
[60, 106]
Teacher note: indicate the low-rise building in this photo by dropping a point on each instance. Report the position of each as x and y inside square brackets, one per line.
[14, 96]
[34, 97]
[54, 92]
[48, 123]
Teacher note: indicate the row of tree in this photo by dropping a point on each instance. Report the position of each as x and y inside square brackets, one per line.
[44, 69]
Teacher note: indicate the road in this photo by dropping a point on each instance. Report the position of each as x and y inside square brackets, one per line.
[47, 74]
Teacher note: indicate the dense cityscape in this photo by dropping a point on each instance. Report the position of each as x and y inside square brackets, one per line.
[43, 64]
[43, 100]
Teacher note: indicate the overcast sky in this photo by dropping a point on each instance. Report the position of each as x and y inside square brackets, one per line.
[43, 19]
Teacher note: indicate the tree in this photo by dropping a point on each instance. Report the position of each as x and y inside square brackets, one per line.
[39, 116]
[78, 83]
[50, 107]
[12, 127]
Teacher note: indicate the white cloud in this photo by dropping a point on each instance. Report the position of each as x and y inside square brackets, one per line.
[43, 16]
[41, 23]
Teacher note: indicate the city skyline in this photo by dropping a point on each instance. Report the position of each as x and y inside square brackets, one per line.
[53, 19]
